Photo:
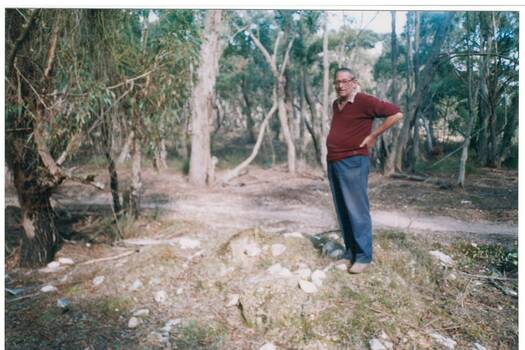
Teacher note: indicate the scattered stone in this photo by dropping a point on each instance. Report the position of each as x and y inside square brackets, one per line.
[234, 300]
[452, 276]
[477, 346]
[48, 289]
[294, 235]
[375, 344]
[179, 291]
[317, 277]
[252, 249]
[64, 304]
[158, 339]
[169, 325]
[304, 273]
[268, 346]
[154, 281]
[342, 267]
[133, 322]
[53, 265]
[136, 285]
[466, 202]
[88, 244]
[141, 313]
[161, 297]
[307, 287]
[188, 243]
[66, 261]
[334, 236]
[445, 259]
[332, 249]
[278, 249]
[278, 270]
[442, 340]
[98, 280]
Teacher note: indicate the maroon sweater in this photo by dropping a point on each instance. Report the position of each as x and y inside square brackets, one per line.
[351, 125]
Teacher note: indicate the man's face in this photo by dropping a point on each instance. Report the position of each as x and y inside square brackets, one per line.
[344, 84]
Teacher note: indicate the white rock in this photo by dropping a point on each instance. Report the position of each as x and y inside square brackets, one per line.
[154, 281]
[317, 277]
[169, 325]
[278, 270]
[66, 261]
[466, 202]
[307, 287]
[179, 291]
[375, 344]
[445, 341]
[189, 243]
[136, 285]
[252, 249]
[477, 346]
[141, 313]
[161, 296]
[445, 259]
[278, 249]
[49, 288]
[98, 280]
[133, 322]
[234, 300]
[304, 273]
[53, 265]
[294, 235]
[342, 267]
[334, 236]
[268, 346]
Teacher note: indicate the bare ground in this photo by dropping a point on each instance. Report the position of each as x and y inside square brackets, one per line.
[405, 296]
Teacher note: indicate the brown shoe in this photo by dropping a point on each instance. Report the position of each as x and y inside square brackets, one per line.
[358, 268]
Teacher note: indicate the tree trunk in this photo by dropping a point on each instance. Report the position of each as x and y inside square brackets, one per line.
[285, 128]
[326, 102]
[238, 169]
[248, 112]
[508, 133]
[393, 60]
[202, 97]
[136, 180]
[107, 145]
[160, 154]
[311, 126]
[124, 154]
[395, 160]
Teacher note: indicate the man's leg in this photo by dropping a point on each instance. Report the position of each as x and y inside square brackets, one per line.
[342, 212]
[352, 177]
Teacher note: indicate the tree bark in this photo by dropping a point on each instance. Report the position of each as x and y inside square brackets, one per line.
[136, 168]
[313, 112]
[202, 97]
[248, 112]
[280, 83]
[471, 110]
[326, 102]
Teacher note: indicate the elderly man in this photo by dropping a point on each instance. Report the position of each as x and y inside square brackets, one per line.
[348, 142]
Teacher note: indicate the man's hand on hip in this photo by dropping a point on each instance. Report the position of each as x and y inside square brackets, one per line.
[369, 141]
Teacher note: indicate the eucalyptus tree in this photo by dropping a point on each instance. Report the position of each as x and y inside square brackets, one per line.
[202, 97]
[49, 83]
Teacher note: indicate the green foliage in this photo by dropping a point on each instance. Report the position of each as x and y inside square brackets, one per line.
[494, 256]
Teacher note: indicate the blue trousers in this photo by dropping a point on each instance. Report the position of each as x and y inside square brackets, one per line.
[349, 184]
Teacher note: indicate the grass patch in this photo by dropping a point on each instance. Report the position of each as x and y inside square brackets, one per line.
[199, 336]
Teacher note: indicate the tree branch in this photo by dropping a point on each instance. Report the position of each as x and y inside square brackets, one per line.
[21, 38]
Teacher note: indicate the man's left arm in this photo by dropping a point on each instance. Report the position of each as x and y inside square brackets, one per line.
[389, 121]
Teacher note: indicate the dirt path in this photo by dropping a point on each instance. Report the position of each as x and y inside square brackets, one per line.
[275, 202]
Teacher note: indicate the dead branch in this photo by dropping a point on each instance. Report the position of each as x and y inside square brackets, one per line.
[123, 255]
[235, 172]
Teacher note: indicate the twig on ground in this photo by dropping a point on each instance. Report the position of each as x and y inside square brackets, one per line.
[489, 277]
[108, 258]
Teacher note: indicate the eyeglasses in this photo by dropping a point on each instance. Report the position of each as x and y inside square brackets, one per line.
[344, 81]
